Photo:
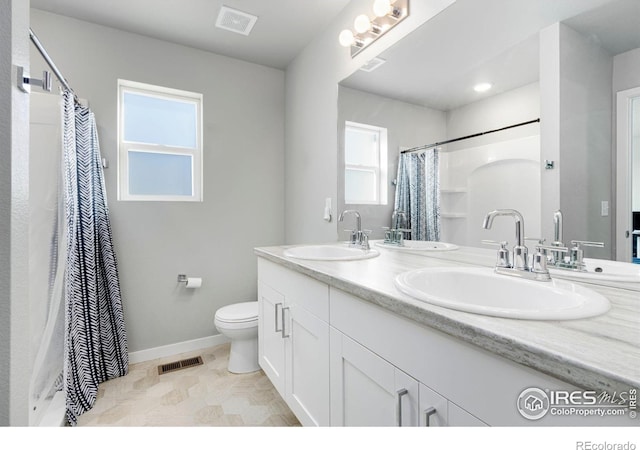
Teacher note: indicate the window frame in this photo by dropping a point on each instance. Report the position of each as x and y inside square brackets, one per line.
[124, 147]
[379, 170]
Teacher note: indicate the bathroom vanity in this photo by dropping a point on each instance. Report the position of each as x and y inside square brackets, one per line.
[344, 347]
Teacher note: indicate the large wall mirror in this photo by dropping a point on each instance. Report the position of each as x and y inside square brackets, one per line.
[560, 62]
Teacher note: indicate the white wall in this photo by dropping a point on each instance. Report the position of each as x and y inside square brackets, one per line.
[243, 203]
[492, 169]
[500, 110]
[311, 118]
[407, 126]
[14, 215]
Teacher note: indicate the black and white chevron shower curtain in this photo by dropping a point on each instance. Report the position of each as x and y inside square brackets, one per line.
[95, 335]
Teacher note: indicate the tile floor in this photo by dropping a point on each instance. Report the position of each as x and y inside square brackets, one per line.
[205, 395]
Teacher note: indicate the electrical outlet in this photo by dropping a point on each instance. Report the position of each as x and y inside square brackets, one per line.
[604, 208]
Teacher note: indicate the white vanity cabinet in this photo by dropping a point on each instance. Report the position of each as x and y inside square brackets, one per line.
[293, 337]
[340, 360]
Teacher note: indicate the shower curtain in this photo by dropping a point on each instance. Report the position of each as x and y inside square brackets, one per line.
[95, 337]
[418, 193]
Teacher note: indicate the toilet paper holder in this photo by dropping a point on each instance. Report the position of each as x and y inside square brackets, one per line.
[182, 278]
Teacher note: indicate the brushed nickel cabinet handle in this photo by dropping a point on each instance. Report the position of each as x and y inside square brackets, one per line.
[284, 335]
[399, 394]
[278, 330]
[427, 415]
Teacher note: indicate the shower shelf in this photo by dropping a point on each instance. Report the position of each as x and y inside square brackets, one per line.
[454, 191]
[453, 215]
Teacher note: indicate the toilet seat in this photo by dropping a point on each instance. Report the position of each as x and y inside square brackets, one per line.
[238, 313]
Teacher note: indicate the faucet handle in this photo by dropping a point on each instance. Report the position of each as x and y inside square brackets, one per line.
[587, 244]
[576, 254]
[363, 239]
[551, 248]
[503, 253]
[495, 243]
[539, 264]
[352, 236]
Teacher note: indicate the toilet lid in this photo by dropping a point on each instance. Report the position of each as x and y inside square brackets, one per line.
[238, 312]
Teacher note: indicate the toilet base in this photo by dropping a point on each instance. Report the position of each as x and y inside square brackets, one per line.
[243, 356]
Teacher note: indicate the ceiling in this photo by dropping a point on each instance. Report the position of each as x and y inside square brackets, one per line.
[283, 29]
[494, 41]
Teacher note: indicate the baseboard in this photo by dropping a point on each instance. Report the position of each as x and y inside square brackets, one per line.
[174, 349]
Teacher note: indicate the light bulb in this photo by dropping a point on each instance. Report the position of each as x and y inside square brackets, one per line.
[381, 7]
[362, 24]
[482, 87]
[346, 38]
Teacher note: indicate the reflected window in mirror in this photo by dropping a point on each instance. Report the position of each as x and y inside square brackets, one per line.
[365, 170]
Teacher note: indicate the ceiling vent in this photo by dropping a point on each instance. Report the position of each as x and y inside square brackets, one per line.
[237, 21]
[372, 65]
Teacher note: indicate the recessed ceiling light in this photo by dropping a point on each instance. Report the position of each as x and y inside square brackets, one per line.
[482, 87]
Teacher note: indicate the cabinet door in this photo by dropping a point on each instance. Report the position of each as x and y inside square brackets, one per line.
[307, 363]
[458, 417]
[366, 390]
[433, 408]
[271, 352]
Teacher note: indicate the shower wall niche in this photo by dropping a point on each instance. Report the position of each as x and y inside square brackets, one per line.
[476, 180]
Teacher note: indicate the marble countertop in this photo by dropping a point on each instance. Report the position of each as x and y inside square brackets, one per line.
[599, 353]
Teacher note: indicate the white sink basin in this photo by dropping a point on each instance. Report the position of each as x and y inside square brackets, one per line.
[482, 291]
[422, 246]
[602, 270]
[329, 253]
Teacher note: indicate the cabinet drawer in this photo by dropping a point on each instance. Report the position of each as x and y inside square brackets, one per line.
[299, 290]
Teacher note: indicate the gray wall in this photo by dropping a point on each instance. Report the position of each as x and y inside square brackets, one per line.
[576, 113]
[407, 126]
[311, 163]
[243, 203]
[586, 109]
[626, 75]
[14, 214]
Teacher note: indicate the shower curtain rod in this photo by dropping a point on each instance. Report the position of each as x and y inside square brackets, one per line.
[48, 60]
[424, 147]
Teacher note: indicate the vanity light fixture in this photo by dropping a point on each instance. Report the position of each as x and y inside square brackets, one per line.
[387, 14]
[482, 87]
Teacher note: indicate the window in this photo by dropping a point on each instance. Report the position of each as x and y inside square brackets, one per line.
[159, 143]
[365, 158]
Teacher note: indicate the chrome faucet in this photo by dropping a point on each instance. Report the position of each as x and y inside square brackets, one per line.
[395, 234]
[557, 228]
[556, 256]
[358, 237]
[576, 255]
[575, 260]
[395, 223]
[520, 267]
[520, 252]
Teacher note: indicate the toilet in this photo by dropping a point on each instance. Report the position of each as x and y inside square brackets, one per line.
[239, 322]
